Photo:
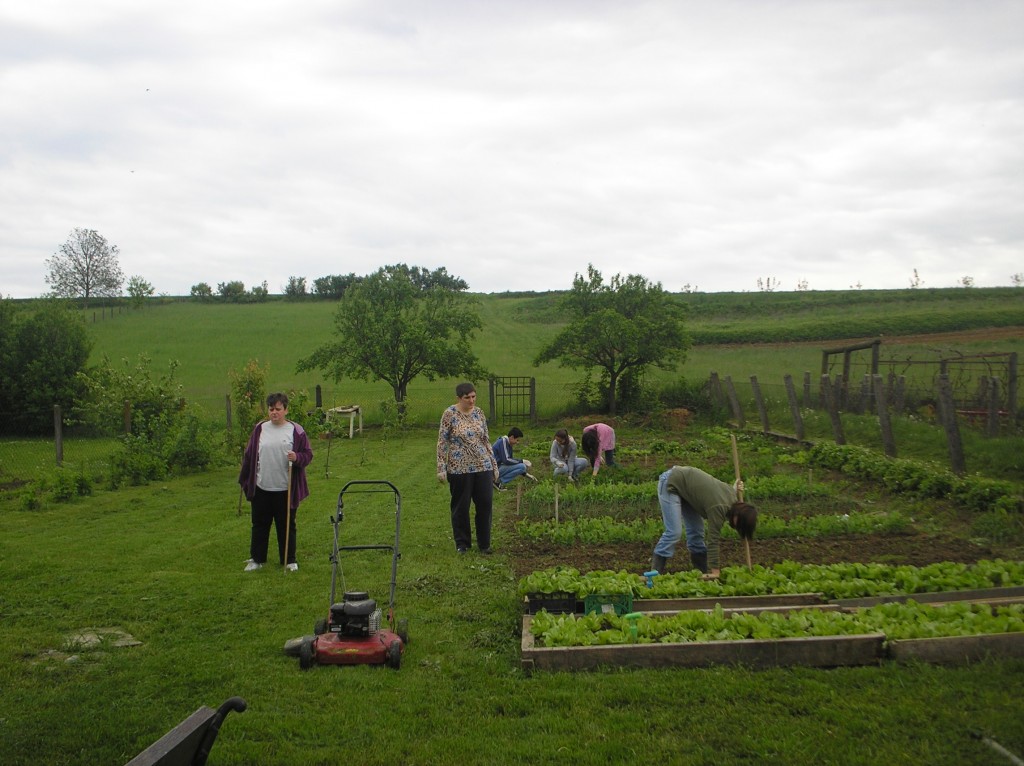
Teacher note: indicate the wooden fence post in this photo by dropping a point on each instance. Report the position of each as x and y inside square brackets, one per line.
[759, 400]
[884, 421]
[1011, 387]
[734, 400]
[807, 389]
[794, 407]
[899, 395]
[947, 414]
[992, 397]
[840, 393]
[716, 389]
[865, 395]
[830, 403]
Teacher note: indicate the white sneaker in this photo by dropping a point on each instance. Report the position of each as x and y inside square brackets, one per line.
[293, 567]
[252, 566]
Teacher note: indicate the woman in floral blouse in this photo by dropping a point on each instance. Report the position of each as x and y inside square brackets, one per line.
[465, 461]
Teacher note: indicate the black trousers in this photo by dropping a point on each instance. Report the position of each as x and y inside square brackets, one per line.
[478, 489]
[267, 508]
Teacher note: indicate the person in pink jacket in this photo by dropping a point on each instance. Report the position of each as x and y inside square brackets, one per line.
[278, 449]
[598, 444]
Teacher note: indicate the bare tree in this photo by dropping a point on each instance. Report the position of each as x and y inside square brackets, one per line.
[85, 267]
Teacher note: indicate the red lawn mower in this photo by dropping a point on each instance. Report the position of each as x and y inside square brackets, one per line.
[351, 634]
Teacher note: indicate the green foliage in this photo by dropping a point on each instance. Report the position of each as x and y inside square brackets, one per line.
[620, 329]
[153, 402]
[259, 293]
[68, 485]
[136, 461]
[233, 291]
[896, 621]
[202, 291]
[190, 445]
[916, 479]
[999, 526]
[138, 290]
[248, 400]
[398, 324]
[302, 410]
[606, 529]
[845, 580]
[295, 290]
[332, 287]
[42, 351]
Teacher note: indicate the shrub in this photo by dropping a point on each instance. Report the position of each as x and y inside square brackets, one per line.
[190, 446]
[917, 479]
[67, 485]
[136, 461]
[999, 527]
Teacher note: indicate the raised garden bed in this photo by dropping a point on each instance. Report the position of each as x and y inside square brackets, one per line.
[815, 651]
[810, 651]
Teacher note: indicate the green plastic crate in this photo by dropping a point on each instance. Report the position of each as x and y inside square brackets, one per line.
[606, 603]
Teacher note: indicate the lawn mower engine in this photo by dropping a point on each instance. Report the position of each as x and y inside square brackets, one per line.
[357, 616]
[352, 635]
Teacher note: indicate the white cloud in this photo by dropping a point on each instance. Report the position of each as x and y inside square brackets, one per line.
[708, 144]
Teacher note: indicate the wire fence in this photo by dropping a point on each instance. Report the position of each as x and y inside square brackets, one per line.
[27, 459]
[753, 403]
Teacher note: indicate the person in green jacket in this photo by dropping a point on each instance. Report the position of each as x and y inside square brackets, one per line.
[688, 498]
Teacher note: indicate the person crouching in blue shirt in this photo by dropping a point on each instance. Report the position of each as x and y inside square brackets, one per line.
[510, 467]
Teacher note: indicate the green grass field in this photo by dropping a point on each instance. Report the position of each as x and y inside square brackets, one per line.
[211, 340]
[163, 564]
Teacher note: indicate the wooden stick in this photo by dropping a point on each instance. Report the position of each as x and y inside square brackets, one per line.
[287, 515]
[739, 492]
[736, 466]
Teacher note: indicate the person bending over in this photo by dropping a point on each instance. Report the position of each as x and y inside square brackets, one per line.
[689, 497]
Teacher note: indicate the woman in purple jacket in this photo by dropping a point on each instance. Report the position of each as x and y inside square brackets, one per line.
[278, 448]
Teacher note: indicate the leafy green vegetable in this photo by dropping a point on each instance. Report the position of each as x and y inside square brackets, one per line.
[896, 620]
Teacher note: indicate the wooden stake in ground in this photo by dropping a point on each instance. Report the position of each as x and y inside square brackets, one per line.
[739, 492]
[287, 515]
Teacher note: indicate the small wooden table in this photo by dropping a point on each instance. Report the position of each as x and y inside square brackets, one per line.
[353, 411]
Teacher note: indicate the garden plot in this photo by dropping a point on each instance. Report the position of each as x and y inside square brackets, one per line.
[816, 629]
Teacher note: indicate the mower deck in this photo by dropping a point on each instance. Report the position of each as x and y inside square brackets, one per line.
[335, 649]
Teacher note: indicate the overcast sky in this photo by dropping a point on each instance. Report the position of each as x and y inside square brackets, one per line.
[704, 145]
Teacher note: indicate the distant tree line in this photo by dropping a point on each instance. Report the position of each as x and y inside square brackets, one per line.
[330, 287]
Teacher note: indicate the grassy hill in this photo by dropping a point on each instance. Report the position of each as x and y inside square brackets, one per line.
[209, 340]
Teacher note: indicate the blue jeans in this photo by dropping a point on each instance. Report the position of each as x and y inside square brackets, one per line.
[581, 465]
[677, 514]
[509, 471]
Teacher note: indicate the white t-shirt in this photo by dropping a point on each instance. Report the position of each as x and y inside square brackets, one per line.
[272, 466]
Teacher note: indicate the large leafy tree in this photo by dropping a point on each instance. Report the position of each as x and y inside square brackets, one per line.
[42, 350]
[399, 323]
[85, 267]
[620, 328]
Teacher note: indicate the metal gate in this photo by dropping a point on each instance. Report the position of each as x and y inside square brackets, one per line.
[513, 400]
